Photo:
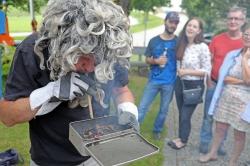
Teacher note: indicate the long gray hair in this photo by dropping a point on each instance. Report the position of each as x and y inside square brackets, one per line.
[74, 27]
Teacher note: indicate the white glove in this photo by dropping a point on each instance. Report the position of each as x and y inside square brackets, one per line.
[47, 107]
[66, 88]
[128, 114]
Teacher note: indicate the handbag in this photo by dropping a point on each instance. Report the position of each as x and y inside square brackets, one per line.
[192, 96]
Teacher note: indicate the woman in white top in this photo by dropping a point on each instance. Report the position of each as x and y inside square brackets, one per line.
[194, 64]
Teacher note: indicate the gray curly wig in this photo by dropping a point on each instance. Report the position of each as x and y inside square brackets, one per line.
[74, 27]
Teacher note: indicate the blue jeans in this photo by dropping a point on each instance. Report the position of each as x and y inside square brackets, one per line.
[207, 123]
[150, 92]
[206, 133]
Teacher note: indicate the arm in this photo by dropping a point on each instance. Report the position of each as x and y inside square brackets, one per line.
[149, 58]
[14, 112]
[123, 94]
[182, 72]
[225, 67]
[120, 91]
[232, 80]
[127, 110]
[15, 107]
[162, 60]
[246, 67]
[150, 61]
[40, 101]
[150, 51]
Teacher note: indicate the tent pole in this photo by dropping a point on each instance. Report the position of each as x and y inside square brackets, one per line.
[32, 14]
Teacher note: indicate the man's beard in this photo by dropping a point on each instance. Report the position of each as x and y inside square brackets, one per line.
[168, 32]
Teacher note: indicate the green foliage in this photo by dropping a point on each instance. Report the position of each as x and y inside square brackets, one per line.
[222, 6]
[22, 24]
[7, 60]
[7, 53]
[145, 5]
[125, 4]
[213, 12]
[148, 5]
[153, 21]
[24, 4]
[202, 9]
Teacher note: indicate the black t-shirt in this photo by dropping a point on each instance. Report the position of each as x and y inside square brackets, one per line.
[49, 134]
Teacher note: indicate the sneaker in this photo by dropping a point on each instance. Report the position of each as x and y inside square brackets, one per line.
[221, 151]
[203, 148]
[157, 136]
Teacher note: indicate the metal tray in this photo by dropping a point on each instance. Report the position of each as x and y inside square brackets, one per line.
[121, 149]
[118, 147]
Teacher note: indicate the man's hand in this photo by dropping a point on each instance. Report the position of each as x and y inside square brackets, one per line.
[128, 114]
[50, 96]
[69, 86]
[162, 60]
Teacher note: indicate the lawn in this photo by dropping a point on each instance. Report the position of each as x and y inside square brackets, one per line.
[21, 22]
[137, 85]
[16, 137]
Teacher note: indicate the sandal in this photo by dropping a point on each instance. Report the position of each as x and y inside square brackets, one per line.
[171, 143]
[174, 141]
[174, 146]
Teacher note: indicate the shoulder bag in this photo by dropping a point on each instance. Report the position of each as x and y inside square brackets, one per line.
[192, 96]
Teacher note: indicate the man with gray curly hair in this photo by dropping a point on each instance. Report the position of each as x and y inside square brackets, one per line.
[80, 53]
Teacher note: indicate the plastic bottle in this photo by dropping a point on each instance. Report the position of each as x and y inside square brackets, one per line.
[164, 54]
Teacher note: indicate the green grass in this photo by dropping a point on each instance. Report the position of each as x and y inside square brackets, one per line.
[17, 137]
[137, 85]
[137, 58]
[22, 22]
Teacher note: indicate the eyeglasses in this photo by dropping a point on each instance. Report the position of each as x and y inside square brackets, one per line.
[234, 18]
[246, 35]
